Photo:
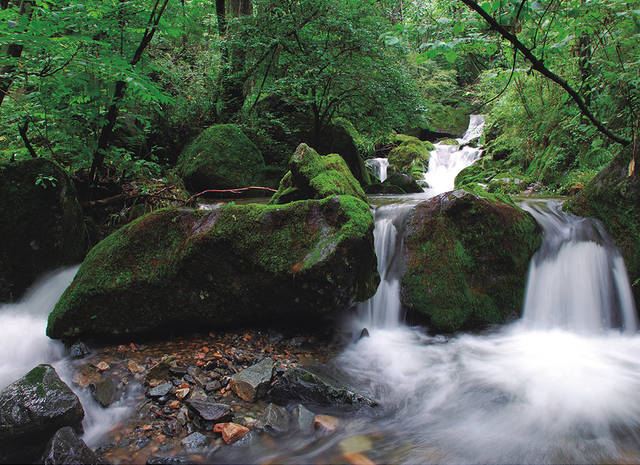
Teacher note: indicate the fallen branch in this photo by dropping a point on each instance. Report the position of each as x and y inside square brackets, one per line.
[237, 190]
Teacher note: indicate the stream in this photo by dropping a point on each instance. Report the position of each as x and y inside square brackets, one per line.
[559, 385]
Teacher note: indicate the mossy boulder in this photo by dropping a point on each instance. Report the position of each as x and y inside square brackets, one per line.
[221, 157]
[237, 265]
[41, 223]
[613, 197]
[411, 156]
[396, 183]
[315, 176]
[467, 259]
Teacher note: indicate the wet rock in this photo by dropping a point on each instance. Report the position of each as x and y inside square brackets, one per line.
[247, 440]
[160, 370]
[32, 409]
[276, 420]
[252, 383]
[326, 424]
[364, 333]
[356, 444]
[213, 386]
[78, 350]
[105, 391]
[182, 393]
[103, 366]
[355, 458]
[302, 385]
[303, 419]
[66, 448]
[194, 441]
[160, 391]
[168, 461]
[231, 432]
[178, 371]
[211, 411]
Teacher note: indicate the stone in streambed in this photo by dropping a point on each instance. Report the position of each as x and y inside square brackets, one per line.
[178, 269]
[326, 424]
[160, 390]
[252, 383]
[231, 432]
[78, 350]
[32, 409]
[466, 259]
[194, 441]
[303, 419]
[276, 420]
[65, 447]
[105, 391]
[211, 411]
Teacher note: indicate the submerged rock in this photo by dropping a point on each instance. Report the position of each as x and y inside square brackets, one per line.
[303, 419]
[194, 441]
[252, 383]
[302, 385]
[314, 176]
[237, 265]
[32, 409]
[105, 391]
[65, 447]
[276, 420]
[41, 226]
[466, 260]
[221, 157]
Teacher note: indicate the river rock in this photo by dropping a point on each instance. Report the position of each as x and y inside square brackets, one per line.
[326, 424]
[466, 260]
[32, 409]
[315, 176]
[188, 269]
[276, 420]
[78, 350]
[105, 391]
[65, 447]
[300, 384]
[231, 432]
[221, 157]
[194, 441]
[41, 226]
[302, 419]
[252, 383]
[211, 411]
[160, 390]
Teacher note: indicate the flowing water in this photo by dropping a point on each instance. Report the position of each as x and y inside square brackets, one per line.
[379, 167]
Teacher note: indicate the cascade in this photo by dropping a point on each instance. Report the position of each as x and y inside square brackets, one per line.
[379, 167]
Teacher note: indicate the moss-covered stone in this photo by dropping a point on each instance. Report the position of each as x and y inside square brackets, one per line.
[41, 223]
[613, 197]
[221, 157]
[314, 176]
[396, 183]
[467, 259]
[237, 265]
[411, 157]
[494, 176]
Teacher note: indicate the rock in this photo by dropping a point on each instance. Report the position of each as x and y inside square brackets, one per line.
[160, 390]
[355, 458]
[613, 197]
[276, 420]
[300, 384]
[231, 432]
[32, 409]
[325, 424]
[194, 441]
[314, 176]
[303, 419]
[396, 183]
[157, 460]
[466, 260]
[161, 370]
[221, 157]
[186, 269]
[182, 393]
[134, 367]
[411, 157]
[252, 383]
[66, 448]
[42, 224]
[213, 386]
[364, 333]
[105, 391]
[355, 444]
[78, 350]
[211, 411]
[103, 366]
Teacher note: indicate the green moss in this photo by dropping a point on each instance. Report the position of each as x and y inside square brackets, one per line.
[36, 375]
[411, 157]
[221, 157]
[449, 142]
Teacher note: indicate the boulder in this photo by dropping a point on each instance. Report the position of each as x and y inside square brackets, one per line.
[41, 223]
[314, 176]
[466, 260]
[237, 265]
[221, 157]
[65, 447]
[302, 419]
[210, 411]
[302, 385]
[396, 183]
[105, 391]
[411, 157]
[252, 383]
[32, 409]
[613, 197]
[276, 420]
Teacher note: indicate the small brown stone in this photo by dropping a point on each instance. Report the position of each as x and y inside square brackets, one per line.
[174, 404]
[231, 432]
[326, 424]
[103, 366]
[134, 367]
[182, 393]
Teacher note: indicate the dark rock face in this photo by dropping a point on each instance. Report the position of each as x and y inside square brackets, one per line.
[252, 382]
[301, 385]
[41, 223]
[105, 391]
[466, 260]
[32, 409]
[222, 157]
[237, 265]
[314, 176]
[613, 197]
[66, 448]
[211, 411]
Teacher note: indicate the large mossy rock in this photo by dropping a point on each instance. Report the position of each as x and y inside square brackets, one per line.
[32, 409]
[221, 157]
[237, 265]
[315, 176]
[613, 197]
[41, 223]
[396, 183]
[411, 156]
[467, 259]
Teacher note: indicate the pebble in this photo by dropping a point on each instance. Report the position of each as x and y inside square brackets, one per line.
[210, 411]
[160, 391]
[231, 432]
[194, 441]
[78, 350]
[182, 393]
[103, 366]
[325, 424]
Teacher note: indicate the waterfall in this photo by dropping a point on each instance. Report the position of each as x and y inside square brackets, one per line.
[379, 167]
[577, 280]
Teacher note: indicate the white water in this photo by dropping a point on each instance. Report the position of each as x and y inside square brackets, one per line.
[379, 166]
[24, 344]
